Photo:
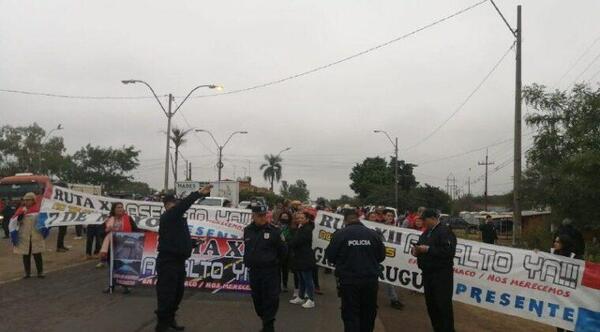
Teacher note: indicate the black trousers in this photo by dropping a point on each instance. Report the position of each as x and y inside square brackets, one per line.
[94, 233]
[265, 284]
[60, 240]
[170, 271]
[39, 264]
[5, 226]
[359, 305]
[438, 287]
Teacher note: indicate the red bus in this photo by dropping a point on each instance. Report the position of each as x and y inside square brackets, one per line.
[13, 188]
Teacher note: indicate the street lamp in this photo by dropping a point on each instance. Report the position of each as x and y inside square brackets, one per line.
[395, 144]
[59, 127]
[170, 114]
[284, 150]
[220, 147]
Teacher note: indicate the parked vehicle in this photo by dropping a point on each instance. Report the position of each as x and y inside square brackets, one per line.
[213, 201]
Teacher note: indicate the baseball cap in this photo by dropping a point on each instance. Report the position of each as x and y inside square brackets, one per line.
[168, 198]
[429, 213]
[258, 208]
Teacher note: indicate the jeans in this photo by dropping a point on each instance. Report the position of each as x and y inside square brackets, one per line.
[390, 291]
[94, 232]
[307, 285]
[316, 278]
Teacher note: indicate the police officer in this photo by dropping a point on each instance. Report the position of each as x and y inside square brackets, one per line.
[174, 248]
[356, 252]
[264, 253]
[435, 252]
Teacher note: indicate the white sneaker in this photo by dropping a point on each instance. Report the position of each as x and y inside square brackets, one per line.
[308, 304]
[296, 300]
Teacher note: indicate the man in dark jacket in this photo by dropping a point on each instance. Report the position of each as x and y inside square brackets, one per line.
[435, 252]
[264, 252]
[488, 231]
[174, 248]
[567, 228]
[356, 252]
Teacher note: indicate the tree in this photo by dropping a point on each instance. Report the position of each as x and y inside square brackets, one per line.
[374, 179]
[564, 161]
[178, 139]
[102, 166]
[272, 169]
[24, 149]
[431, 197]
[297, 191]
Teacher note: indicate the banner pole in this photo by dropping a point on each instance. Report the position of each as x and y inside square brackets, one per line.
[110, 271]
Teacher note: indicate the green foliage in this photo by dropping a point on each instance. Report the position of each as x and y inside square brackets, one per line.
[271, 198]
[373, 179]
[135, 187]
[178, 139]
[272, 169]
[102, 166]
[28, 149]
[564, 162]
[431, 197]
[297, 191]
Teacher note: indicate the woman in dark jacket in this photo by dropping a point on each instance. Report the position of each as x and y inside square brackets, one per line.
[303, 260]
[563, 246]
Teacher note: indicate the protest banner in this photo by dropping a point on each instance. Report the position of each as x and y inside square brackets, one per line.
[126, 257]
[550, 289]
[216, 264]
[67, 207]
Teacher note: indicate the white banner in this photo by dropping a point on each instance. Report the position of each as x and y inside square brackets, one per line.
[68, 207]
[550, 289]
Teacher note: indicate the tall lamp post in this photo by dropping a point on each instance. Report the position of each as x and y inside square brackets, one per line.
[220, 147]
[395, 144]
[284, 150]
[169, 113]
[44, 139]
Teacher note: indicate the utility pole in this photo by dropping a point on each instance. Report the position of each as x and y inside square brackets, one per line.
[396, 175]
[449, 187]
[517, 162]
[486, 164]
[396, 180]
[220, 163]
[169, 116]
[189, 171]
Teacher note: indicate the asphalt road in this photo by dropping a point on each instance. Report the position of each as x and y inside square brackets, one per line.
[70, 299]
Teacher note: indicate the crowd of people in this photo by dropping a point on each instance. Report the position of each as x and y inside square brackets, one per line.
[278, 244]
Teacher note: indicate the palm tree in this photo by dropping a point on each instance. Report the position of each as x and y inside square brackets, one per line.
[272, 168]
[178, 139]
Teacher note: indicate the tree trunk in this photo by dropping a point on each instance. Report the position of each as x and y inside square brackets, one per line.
[272, 179]
[176, 160]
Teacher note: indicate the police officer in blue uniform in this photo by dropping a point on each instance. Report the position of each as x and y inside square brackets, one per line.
[435, 252]
[356, 252]
[264, 252]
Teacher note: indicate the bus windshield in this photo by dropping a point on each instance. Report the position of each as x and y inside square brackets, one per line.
[16, 191]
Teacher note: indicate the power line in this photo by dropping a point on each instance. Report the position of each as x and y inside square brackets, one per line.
[469, 152]
[355, 55]
[291, 77]
[56, 95]
[586, 68]
[577, 61]
[465, 101]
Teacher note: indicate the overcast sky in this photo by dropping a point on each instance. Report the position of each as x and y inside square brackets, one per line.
[327, 118]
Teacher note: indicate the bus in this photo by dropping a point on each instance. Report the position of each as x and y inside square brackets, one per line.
[13, 188]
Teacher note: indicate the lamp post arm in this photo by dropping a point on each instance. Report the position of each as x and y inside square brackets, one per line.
[230, 136]
[155, 96]
[190, 93]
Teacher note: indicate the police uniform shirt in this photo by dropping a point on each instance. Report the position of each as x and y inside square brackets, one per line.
[442, 248]
[356, 252]
[264, 246]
